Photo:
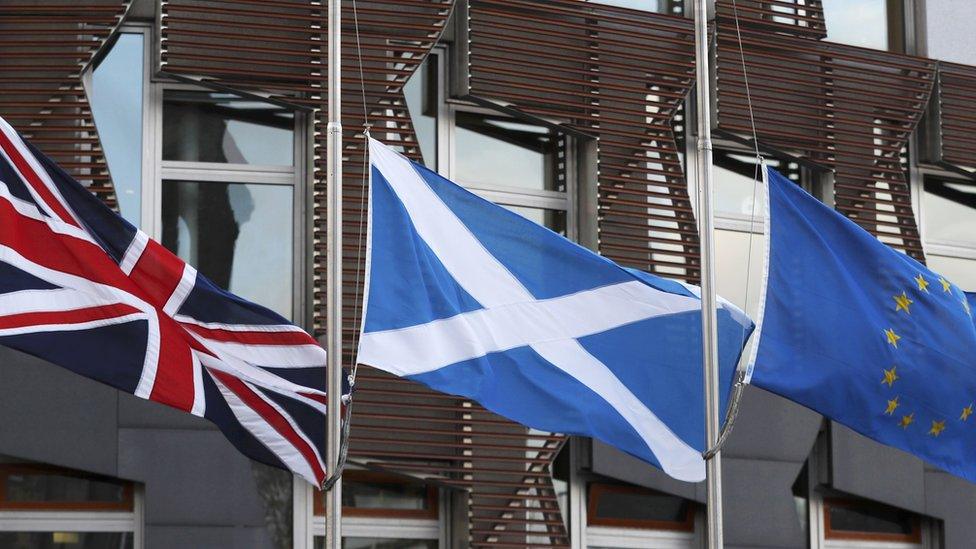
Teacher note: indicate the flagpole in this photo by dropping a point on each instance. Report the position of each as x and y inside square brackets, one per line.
[703, 176]
[333, 499]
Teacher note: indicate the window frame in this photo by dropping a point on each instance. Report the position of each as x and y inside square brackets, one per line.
[81, 517]
[597, 489]
[914, 538]
[358, 475]
[295, 177]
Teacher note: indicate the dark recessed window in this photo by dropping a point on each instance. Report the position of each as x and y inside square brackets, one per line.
[423, 101]
[636, 507]
[373, 494]
[865, 520]
[41, 487]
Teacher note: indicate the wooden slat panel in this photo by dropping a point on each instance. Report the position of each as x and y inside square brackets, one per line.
[846, 108]
[620, 75]
[43, 49]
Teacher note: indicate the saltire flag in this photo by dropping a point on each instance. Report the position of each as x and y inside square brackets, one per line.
[474, 300]
[864, 334]
[82, 288]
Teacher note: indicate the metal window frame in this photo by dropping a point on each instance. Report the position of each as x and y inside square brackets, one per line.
[295, 176]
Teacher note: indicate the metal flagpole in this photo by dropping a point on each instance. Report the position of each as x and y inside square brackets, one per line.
[333, 499]
[703, 176]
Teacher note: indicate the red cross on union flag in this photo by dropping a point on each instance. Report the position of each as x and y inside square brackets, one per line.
[82, 288]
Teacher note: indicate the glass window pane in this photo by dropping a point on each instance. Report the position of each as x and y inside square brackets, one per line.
[239, 235]
[385, 495]
[497, 151]
[872, 518]
[36, 487]
[863, 23]
[675, 7]
[221, 127]
[949, 212]
[735, 189]
[116, 104]
[422, 103]
[635, 504]
[66, 540]
[555, 220]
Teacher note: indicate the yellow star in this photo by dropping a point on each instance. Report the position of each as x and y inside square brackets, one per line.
[966, 412]
[892, 404]
[923, 284]
[902, 302]
[937, 428]
[946, 285]
[907, 420]
[892, 337]
[890, 377]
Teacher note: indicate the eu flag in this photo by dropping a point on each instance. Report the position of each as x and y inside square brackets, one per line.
[866, 335]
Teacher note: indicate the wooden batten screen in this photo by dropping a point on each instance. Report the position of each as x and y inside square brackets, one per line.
[619, 75]
[794, 17]
[954, 119]
[397, 425]
[43, 48]
[849, 109]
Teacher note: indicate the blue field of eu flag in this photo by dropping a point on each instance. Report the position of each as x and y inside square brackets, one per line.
[866, 335]
[474, 300]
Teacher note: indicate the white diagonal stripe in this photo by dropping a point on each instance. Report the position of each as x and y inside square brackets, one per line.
[271, 356]
[477, 333]
[182, 291]
[134, 252]
[492, 285]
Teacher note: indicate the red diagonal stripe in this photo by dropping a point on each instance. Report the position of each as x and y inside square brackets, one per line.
[273, 417]
[157, 273]
[76, 316]
[34, 180]
[291, 337]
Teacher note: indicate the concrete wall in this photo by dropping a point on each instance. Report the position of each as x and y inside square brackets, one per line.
[199, 490]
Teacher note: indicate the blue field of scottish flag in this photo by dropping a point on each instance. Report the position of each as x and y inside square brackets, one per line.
[474, 300]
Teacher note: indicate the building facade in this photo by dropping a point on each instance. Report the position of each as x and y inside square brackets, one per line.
[203, 122]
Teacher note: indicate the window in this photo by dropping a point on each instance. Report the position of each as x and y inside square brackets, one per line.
[229, 193]
[383, 511]
[44, 506]
[623, 516]
[737, 186]
[876, 24]
[949, 211]
[855, 519]
[117, 102]
[674, 7]
[423, 103]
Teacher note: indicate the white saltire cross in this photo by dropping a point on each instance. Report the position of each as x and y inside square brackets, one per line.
[512, 317]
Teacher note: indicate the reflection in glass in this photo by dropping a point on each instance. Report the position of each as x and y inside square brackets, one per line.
[675, 7]
[380, 543]
[497, 151]
[116, 104]
[633, 504]
[66, 540]
[866, 23]
[555, 220]
[422, 102]
[220, 127]
[385, 495]
[874, 518]
[50, 486]
[736, 190]
[949, 211]
[238, 235]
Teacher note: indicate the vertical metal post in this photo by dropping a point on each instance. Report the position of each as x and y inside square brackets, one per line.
[333, 500]
[703, 176]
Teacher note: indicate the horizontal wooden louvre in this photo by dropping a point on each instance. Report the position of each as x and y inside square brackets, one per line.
[795, 17]
[846, 108]
[43, 48]
[954, 120]
[619, 75]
